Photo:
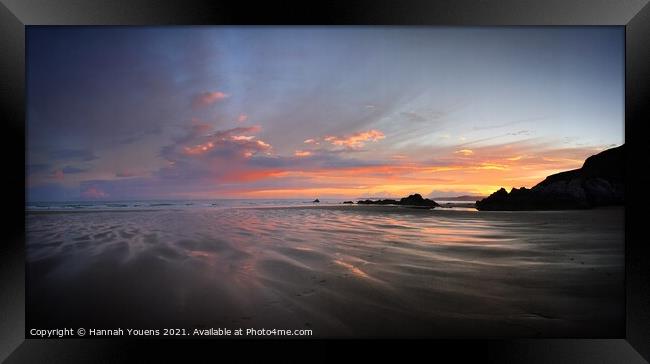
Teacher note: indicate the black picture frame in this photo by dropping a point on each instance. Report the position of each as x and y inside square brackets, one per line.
[634, 15]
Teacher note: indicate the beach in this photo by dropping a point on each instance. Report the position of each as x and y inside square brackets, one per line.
[343, 271]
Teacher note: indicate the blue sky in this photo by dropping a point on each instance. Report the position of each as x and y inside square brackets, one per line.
[210, 112]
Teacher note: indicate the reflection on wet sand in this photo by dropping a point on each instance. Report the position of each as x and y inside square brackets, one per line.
[341, 271]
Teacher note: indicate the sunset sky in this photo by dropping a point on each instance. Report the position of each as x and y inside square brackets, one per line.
[305, 112]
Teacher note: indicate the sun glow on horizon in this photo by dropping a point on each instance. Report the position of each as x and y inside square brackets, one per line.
[412, 111]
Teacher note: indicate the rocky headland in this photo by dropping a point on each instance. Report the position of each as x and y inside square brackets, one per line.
[600, 182]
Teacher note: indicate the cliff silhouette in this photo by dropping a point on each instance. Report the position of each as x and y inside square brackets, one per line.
[599, 182]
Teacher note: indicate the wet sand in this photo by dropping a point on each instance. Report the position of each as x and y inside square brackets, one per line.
[342, 271]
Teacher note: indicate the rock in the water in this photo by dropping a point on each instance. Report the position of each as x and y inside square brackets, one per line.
[348, 202]
[316, 201]
[600, 182]
[379, 202]
[415, 200]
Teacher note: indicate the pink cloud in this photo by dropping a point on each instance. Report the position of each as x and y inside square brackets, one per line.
[234, 139]
[199, 148]
[242, 118]
[94, 193]
[302, 153]
[208, 98]
[242, 137]
[263, 144]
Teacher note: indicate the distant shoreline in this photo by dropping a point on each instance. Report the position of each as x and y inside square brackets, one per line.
[339, 206]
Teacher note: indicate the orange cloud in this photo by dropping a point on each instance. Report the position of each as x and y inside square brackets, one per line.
[243, 176]
[234, 157]
[516, 158]
[263, 144]
[490, 168]
[208, 98]
[247, 145]
[302, 153]
[199, 149]
[496, 166]
[465, 152]
[356, 140]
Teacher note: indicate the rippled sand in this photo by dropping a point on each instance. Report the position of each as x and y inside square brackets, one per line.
[342, 271]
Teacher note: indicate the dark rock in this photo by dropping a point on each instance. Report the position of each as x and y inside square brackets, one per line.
[348, 202]
[415, 200]
[316, 201]
[379, 202]
[600, 182]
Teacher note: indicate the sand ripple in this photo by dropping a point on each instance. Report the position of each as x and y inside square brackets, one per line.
[340, 271]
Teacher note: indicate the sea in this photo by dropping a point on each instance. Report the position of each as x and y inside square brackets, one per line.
[185, 204]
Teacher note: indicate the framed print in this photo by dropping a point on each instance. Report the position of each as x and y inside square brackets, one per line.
[199, 176]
